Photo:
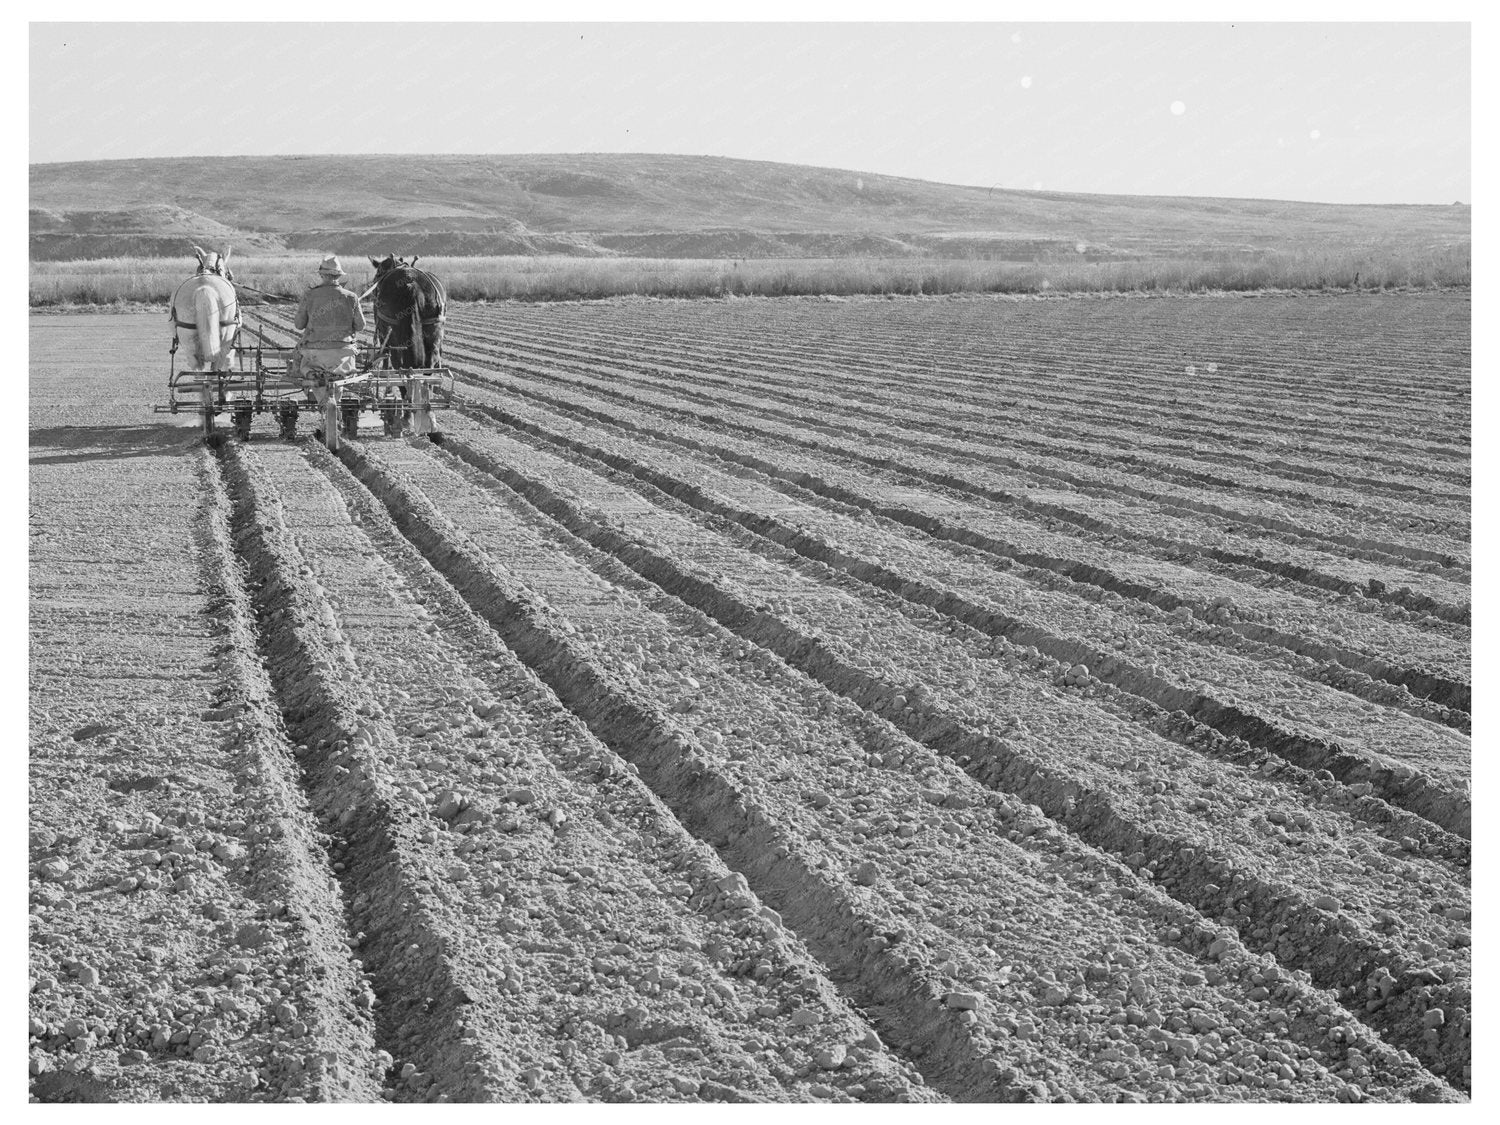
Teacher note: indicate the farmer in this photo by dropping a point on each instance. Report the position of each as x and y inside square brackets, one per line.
[329, 318]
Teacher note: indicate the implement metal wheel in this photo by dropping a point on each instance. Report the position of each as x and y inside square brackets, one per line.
[206, 403]
[286, 416]
[242, 417]
[350, 413]
[331, 422]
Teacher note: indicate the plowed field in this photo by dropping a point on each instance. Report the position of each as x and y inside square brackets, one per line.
[915, 700]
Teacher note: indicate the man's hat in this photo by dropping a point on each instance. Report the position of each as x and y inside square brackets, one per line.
[330, 267]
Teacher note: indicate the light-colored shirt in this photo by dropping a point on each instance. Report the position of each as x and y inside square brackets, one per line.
[329, 315]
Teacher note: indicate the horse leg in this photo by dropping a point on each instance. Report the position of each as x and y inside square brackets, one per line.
[404, 414]
[418, 348]
[207, 316]
[226, 348]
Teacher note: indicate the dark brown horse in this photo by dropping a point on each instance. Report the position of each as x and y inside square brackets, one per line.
[410, 306]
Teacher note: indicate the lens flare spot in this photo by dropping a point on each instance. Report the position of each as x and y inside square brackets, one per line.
[1178, 108]
[1026, 82]
[1315, 134]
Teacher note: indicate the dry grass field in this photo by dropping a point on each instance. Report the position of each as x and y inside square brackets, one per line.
[927, 699]
[551, 278]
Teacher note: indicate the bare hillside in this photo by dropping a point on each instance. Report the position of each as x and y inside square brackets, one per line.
[656, 205]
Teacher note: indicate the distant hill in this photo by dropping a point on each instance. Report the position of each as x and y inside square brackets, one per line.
[593, 204]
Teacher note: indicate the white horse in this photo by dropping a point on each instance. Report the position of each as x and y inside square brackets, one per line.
[206, 313]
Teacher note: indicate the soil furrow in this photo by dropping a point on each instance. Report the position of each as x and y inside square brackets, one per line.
[424, 991]
[841, 416]
[690, 767]
[1429, 694]
[290, 853]
[963, 414]
[896, 356]
[644, 968]
[1379, 584]
[829, 918]
[524, 994]
[1248, 610]
[1344, 946]
[185, 939]
[998, 596]
[750, 700]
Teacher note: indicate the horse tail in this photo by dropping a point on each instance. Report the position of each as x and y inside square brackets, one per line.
[206, 315]
[418, 349]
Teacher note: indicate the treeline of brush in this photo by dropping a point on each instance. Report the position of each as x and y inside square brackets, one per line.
[114, 281]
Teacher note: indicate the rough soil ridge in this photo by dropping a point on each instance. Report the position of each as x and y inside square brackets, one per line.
[1337, 946]
[418, 519]
[766, 702]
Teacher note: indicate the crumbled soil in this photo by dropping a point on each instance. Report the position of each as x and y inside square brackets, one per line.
[804, 701]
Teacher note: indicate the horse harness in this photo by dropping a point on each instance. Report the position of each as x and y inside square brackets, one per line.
[442, 293]
[227, 320]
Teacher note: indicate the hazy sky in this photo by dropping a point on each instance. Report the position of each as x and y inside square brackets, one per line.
[1336, 112]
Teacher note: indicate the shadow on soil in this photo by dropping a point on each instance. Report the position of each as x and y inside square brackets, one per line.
[51, 444]
[158, 1080]
[55, 1086]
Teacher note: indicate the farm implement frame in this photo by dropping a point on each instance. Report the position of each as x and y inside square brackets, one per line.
[263, 379]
